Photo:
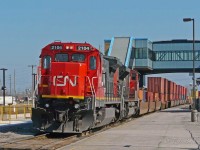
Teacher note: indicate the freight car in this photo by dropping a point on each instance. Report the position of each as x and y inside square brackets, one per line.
[79, 88]
[167, 92]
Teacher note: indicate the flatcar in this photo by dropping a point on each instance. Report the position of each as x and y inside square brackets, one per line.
[80, 88]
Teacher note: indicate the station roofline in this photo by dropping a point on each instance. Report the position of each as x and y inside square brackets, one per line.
[107, 40]
[141, 38]
[122, 36]
[176, 41]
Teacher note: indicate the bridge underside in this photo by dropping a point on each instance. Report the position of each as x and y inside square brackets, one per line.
[177, 70]
[144, 72]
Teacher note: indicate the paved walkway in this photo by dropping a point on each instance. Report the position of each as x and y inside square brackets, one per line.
[13, 119]
[170, 129]
[13, 122]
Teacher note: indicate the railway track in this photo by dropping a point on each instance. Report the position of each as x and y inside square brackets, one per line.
[43, 141]
[54, 141]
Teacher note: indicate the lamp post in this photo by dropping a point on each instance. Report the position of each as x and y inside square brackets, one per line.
[193, 118]
[4, 86]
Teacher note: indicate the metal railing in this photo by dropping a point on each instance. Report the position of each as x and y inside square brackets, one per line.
[15, 112]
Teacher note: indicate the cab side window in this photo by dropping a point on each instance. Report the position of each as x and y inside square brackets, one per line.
[133, 76]
[46, 62]
[93, 63]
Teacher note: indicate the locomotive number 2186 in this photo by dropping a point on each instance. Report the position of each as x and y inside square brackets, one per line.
[56, 47]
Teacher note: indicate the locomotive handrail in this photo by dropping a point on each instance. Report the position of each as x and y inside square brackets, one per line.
[122, 99]
[36, 87]
[94, 97]
[94, 91]
[90, 85]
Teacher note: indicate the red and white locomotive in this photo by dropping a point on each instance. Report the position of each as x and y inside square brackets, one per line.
[80, 88]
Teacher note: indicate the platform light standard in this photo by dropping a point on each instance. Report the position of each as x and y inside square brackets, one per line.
[193, 73]
[4, 86]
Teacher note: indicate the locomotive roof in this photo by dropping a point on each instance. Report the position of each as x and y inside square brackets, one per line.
[59, 43]
[69, 46]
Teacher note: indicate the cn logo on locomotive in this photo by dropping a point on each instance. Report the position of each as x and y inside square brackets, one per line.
[64, 80]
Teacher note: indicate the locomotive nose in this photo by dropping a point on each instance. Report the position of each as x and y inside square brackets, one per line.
[68, 79]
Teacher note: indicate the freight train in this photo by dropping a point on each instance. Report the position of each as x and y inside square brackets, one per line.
[79, 89]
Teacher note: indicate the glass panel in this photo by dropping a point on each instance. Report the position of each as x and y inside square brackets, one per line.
[141, 53]
[61, 57]
[78, 57]
[93, 63]
[176, 55]
[46, 62]
[133, 76]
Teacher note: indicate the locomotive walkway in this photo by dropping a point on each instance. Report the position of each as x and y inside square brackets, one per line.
[170, 129]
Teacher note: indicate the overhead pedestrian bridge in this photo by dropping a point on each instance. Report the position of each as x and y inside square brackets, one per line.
[155, 57]
[175, 56]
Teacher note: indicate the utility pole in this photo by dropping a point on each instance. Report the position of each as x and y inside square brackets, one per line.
[32, 66]
[34, 77]
[34, 80]
[0, 84]
[14, 84]
[4, 86]
[10, 85]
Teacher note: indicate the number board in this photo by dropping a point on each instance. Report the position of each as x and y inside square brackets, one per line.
[56, 47]
[83, 48]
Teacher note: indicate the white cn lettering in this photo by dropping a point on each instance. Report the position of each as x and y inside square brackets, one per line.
[65, 79]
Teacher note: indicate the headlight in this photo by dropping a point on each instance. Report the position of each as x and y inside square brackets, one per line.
[47, 105]
[76, 106]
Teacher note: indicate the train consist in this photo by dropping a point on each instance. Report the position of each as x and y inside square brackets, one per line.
[161, 94]
[80, 88]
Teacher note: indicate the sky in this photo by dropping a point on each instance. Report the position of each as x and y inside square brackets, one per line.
[27, 26]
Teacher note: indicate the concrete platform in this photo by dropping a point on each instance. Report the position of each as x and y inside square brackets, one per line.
[13, 122]
[170, 129]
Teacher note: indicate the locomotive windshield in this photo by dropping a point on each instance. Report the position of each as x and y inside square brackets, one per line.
[61, 57]
[78, 57]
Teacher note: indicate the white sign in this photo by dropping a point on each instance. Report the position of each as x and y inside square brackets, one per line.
[8, 100]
